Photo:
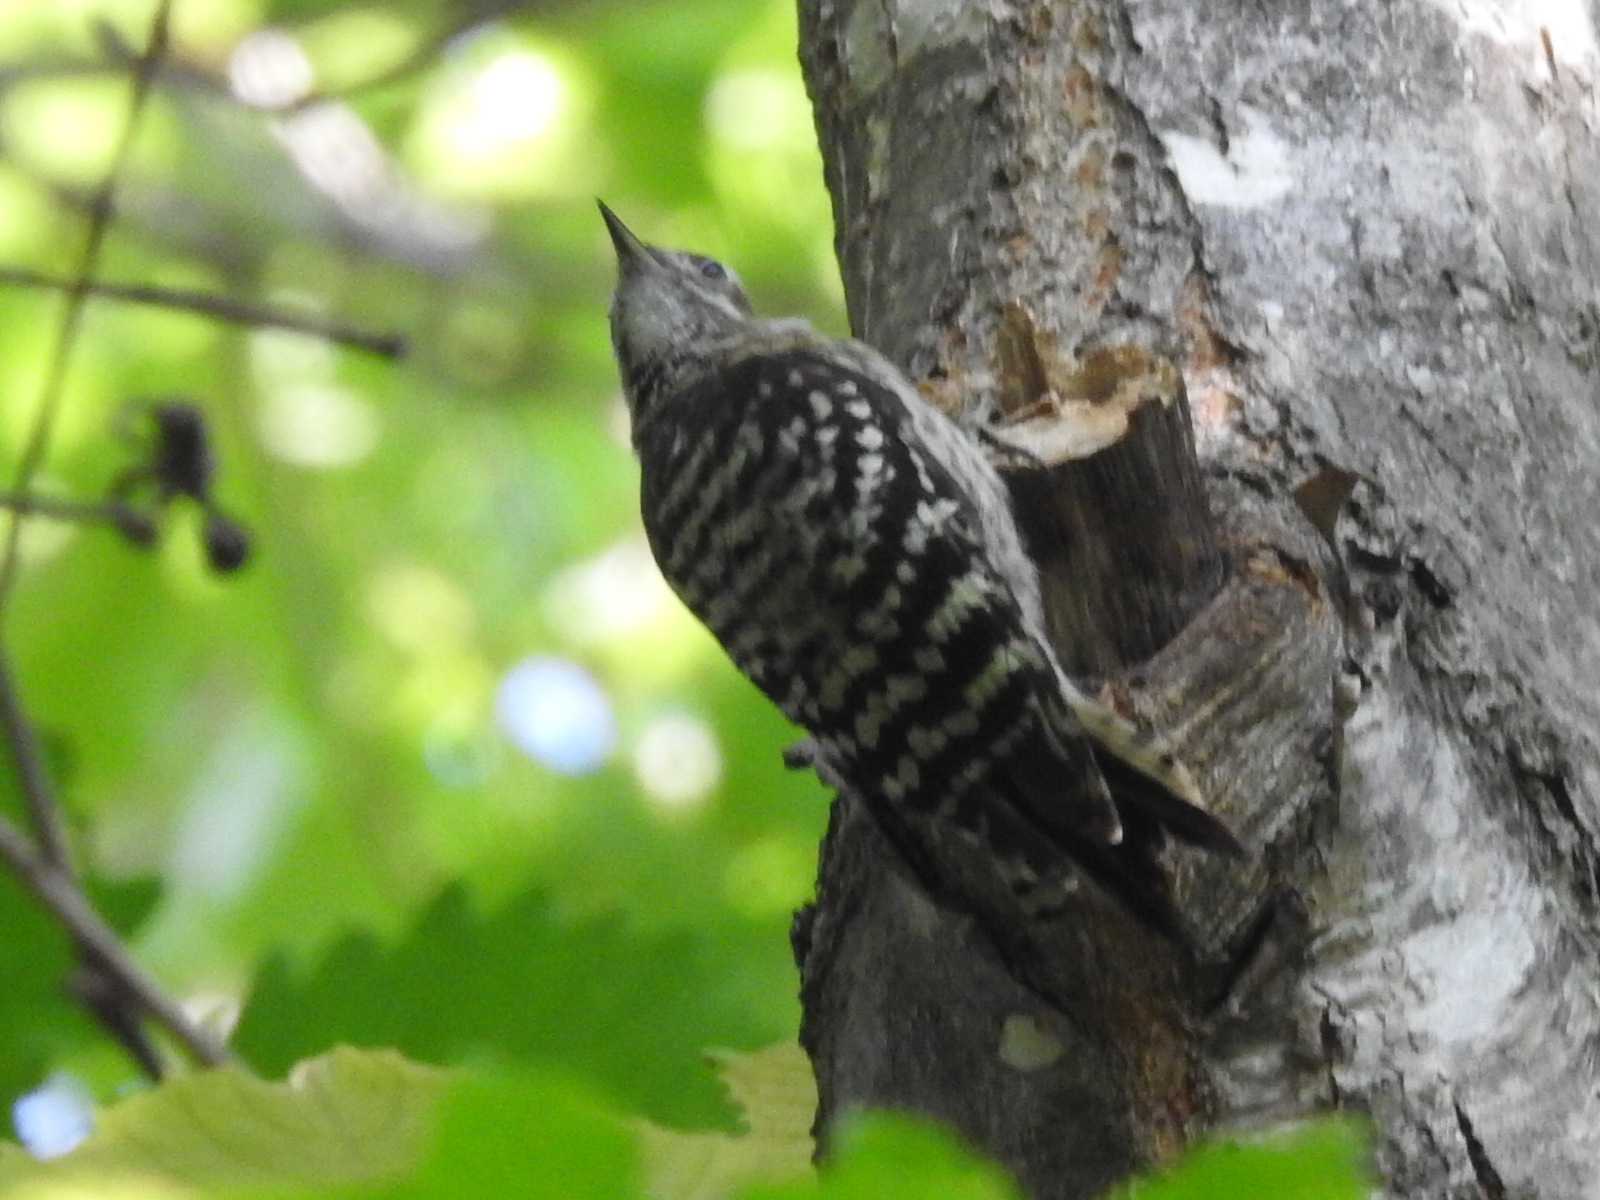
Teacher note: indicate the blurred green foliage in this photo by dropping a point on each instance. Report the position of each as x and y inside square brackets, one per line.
[309, 749]
[307, 757]
[1328, 1159]
[632, 1010]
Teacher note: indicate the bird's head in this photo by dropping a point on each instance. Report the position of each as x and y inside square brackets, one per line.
[670, 309]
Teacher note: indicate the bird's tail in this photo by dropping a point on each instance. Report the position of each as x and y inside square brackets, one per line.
[1149, 808]
[1108, 797]
[1117, 775]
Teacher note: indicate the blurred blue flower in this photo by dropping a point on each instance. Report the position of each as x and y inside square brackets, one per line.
[557, 714]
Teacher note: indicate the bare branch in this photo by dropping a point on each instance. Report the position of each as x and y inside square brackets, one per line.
[222, 308]
[57, 891]
[43, 813]
[62, 508]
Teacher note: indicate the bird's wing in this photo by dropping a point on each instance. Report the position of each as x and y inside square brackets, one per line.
[916, 657]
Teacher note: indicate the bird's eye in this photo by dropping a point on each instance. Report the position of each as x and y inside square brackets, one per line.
[713, 270]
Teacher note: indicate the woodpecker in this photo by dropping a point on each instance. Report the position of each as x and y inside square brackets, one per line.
[854, 551]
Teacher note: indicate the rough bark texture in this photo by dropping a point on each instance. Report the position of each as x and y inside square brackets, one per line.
[1365, 236]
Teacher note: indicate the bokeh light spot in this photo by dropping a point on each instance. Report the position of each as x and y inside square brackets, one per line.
[677, 762]
[54, 1117]
[757, 107]
[505, 118]
[420, 609]
[268, 69]
[612, 594]
[64, 127]
[557, 714]
[317, 425]
[515, 97]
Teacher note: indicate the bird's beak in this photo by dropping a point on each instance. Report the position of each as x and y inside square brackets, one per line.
[631, 252]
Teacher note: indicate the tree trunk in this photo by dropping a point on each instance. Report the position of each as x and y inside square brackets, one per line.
[1362, 236]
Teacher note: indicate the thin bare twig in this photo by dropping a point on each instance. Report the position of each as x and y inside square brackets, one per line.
[59, 893]
[43, 813]
[61, 508]
[77, 292]
[222, 308]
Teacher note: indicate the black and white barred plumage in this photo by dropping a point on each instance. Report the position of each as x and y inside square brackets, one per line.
[855, 553]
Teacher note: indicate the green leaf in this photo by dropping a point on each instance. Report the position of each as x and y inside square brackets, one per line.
[351, 1123]
[629, 1009]
[348, 1117]
[776, 1095]
[501, 1135]
[897, 1156]
[1318, 1160]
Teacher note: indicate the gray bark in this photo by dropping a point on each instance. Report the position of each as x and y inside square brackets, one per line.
[1364, 235]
